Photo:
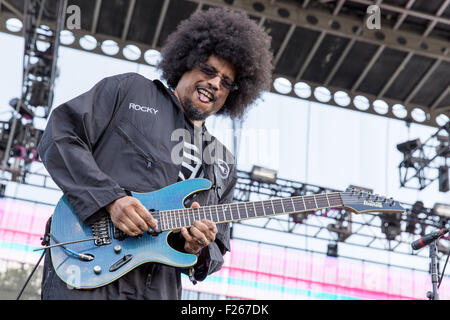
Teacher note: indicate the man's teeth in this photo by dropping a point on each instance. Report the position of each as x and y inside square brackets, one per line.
[206, 93]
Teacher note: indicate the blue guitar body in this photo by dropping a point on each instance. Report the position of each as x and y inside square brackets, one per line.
[109, 263]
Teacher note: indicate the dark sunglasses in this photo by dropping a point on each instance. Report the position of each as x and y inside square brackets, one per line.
[210, 72]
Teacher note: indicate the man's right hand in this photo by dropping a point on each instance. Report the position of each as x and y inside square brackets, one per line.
[129, 215]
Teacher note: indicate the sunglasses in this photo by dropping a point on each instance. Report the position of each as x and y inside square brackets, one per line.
[210, 72]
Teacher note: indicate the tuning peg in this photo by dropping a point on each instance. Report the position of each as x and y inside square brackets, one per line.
[391, 201]
[377, 196]
[384, 200]
[368, 196]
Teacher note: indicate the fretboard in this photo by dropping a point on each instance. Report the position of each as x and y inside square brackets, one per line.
[176, 219]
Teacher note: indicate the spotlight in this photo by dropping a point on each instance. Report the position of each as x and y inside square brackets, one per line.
[299, 217]
[442, 210]
[332, 250]
[263, 174]
[443, 179]
[390, 225]
[416, 209]
[25, 112]
[409, 146]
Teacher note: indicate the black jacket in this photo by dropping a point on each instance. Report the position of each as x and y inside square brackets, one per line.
[122, 135]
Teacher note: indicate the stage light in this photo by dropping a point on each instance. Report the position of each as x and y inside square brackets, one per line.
[442, 210]
[416, 209]
[299, 217]
[332, 250]
[390, 225]
[25, 112]
[409, 146]
[443, 179]
[263, 174]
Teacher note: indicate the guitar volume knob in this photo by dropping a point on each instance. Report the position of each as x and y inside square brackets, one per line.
[97, 269]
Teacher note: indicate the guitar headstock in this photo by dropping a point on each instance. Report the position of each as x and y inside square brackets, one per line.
[362, 202]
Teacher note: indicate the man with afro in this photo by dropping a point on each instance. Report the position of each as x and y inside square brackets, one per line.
[129, 133]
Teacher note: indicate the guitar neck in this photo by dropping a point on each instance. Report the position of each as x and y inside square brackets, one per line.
[230, 212]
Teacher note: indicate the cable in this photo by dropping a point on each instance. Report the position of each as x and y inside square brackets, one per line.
[443, 271]
[31, 274]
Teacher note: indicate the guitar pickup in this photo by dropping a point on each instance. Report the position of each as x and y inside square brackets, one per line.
[120, 263]
[119, 234]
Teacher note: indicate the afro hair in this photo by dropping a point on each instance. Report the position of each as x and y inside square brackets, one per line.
[227, 34]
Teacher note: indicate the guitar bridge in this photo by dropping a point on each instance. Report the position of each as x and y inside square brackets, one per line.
[101, 230]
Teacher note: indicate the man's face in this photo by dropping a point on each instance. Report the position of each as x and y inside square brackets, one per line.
[202, 93]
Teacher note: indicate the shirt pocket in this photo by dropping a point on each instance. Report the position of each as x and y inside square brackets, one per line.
[137, 162]
[135, 146]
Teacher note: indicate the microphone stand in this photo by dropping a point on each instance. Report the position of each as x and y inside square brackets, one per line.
[434, 273]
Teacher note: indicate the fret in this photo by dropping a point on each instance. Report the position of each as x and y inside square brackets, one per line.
[179, 219]
[273, 208]
[229, 212]
[240, 205]
[259, 209]
[198, 214]
[323, 201]
[268, 209]
[304, 203]
[326, 195]
[187, 215]
[170, 219]
[162, 225]
[278, 207]
[315, 200]
[288, 205]
[179, 216]
[217, 213]
[234, 212]
[298, 206]
[335, 199]
[256, 212]
[210, 214]
[202, 209]
[175, 222]
[183, 218]
[250, 210]
[282, 205]
[309, 203]
[223, 212]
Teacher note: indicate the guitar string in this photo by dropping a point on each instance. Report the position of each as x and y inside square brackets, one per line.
[190, 213]
[343, 203]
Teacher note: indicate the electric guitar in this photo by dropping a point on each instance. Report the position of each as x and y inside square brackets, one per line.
[91, 256]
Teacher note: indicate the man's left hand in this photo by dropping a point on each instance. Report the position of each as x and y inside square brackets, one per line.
[199, 235]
